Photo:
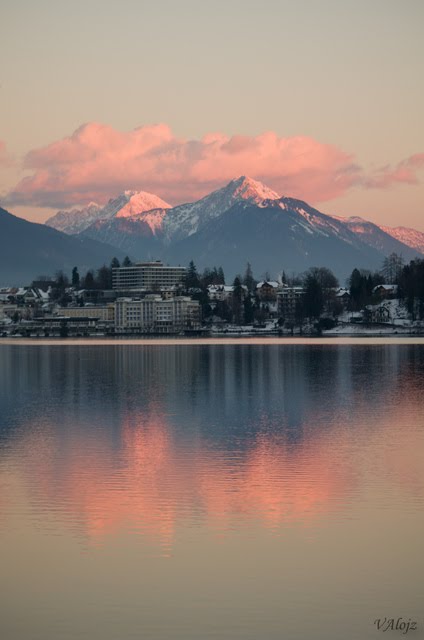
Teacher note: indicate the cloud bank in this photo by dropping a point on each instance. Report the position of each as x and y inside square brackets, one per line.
[97, 162]
[404, 172]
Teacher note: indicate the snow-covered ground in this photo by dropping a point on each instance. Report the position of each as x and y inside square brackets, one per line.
[371, 330]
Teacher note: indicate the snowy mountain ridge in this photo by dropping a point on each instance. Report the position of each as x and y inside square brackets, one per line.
[75, 220]
[127, 205]
[411, 237]
[384, 238]
[185, 219]
[145, 226]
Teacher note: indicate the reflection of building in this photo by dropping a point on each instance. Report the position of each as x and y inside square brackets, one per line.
[148, 276]
[152, 314]
[287, 300]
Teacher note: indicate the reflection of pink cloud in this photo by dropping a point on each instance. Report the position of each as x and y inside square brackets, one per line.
[97, 162]
[153, 483]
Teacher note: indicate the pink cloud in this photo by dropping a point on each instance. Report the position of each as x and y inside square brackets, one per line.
[97, 162]
[404, 172]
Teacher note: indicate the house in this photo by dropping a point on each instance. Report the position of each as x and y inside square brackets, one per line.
[343, 296]
[31, 296]
[377, 313]
[267, 290]
[385, 291]
[221, 292]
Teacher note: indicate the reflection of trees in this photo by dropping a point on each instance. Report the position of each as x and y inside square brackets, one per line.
[222, 391]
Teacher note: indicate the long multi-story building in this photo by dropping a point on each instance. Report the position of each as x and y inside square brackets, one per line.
[105, 313]
[287, 300]
[153, 314]
[147, 276]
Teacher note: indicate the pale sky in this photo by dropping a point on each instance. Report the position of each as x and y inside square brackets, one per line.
[335, 86]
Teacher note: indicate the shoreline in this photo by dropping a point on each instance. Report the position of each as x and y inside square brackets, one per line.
[398, 339]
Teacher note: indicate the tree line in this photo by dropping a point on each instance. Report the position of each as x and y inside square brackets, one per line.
[319, 286]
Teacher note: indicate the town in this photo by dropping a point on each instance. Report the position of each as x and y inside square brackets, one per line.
[157, 299]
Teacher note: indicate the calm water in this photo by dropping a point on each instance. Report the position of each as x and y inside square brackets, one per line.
[236, 491]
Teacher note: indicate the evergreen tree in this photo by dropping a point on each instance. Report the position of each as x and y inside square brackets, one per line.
[248, 278]
[88, 281]
[115, 264]
[313, 297]
[221, 276]
[61, 280]
[192, 280]
[248, 310]
[411, 288]
[75, 278]
[222, 310]
[237, 301]
[127, 262]
[216, 277]
[59, 288]
[207, 278]
[357, 290]
[104, 278]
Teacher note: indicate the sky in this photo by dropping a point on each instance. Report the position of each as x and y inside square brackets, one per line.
[320, 100]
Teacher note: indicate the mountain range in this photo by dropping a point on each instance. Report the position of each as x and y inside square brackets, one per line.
[29, 250]
[243, 221]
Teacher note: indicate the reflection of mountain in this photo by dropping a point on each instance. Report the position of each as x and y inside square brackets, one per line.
[148, 439]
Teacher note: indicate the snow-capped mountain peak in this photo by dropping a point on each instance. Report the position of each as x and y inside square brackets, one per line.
[129, 204]
[139, 202]
[185, 219]
[253, 190]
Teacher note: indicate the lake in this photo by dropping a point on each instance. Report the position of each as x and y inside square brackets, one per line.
[248, 489]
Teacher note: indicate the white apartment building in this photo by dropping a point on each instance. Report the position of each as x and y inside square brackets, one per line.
[152, 314]
[147, 276]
